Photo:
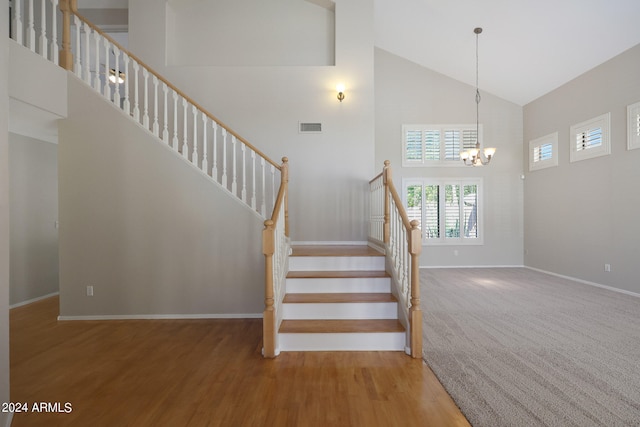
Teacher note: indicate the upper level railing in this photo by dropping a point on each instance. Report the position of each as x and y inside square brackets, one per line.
[389, 226]
[54, 30]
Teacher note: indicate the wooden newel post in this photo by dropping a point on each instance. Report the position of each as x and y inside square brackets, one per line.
[269, 314]
[415, 312]
[66, 56]
[386, 176]
[285, 181]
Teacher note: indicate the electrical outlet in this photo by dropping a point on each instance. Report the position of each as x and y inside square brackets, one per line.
[89, 291]
[607, 268]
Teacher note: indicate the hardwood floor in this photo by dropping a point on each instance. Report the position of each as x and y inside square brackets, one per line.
[208, 373]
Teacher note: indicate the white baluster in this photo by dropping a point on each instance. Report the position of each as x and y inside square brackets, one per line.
[155, 127]
[165, 123]
[205, 143]
[185, 140]
[96, 80]
[145, 100]
[31, 31]
[263, 196]
[78, 24]
[194, 153]
[214, 160]
[243, 194]
[273, 186]
[17, 21]
[85, 59]
[224, 157]
[43, 29]
[126, 105]
[116, 93]
[136, 91]
[253, 174]
[54, 31]
[107, 89]
[174, 141]
[234, 182]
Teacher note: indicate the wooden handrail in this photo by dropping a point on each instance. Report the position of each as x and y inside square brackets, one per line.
[399, 206]
[74, 10]
[376, 177]
[414, 246]
[281, 200]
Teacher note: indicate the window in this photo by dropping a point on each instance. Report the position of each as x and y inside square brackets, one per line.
[436, 145]
[633, 122]
[590, 139]
[543, 152]
[449, 210]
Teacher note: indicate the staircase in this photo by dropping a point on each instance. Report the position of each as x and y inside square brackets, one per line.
[338, 298]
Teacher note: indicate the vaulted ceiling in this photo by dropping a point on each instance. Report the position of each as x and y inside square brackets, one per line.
[527, 47]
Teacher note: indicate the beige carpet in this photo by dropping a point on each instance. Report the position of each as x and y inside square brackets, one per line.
[515, 347]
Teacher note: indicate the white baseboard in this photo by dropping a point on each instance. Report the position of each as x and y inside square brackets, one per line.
[585, 282]
[164, 316]
[20, 304]
[330, 242]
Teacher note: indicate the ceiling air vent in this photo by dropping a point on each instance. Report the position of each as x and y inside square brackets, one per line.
[310, 127]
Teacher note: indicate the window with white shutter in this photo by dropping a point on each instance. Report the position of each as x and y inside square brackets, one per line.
[633, 122]
[590, 139]
[449, 210]
[436, 145]
[543, 152]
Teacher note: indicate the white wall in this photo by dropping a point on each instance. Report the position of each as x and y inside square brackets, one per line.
[407, 93]
[580, 216]
[35, 81]
[152, 234]
[246, 32]
[4, 214]
[33, 175]
[329, 171]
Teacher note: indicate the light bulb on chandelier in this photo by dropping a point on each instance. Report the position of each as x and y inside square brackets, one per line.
[476, 156]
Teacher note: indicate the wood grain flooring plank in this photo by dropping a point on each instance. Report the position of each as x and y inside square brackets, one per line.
[208, 373]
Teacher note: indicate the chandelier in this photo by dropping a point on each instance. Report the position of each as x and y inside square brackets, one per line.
[475, 156]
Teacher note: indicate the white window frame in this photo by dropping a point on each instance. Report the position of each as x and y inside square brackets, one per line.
[443, 240]
[633, 126]
[441, 129]
[604, 123]
[536, 145]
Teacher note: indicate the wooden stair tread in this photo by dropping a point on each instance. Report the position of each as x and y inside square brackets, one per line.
[340, 326]
[306, 298]
[334, 250]
[347, 274]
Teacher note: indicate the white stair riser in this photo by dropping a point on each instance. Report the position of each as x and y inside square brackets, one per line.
[364, 341]
[339, 285]
[327, 263]
[324, 311]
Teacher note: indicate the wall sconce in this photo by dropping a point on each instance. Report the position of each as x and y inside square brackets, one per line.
[340, 89]
[112, 76]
